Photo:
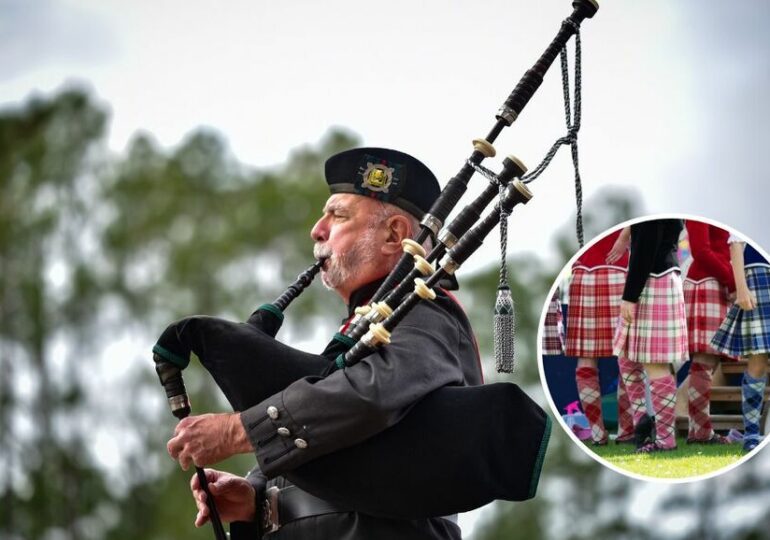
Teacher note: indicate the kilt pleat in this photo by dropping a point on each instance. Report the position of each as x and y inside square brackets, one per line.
[747, 332]
[658, 333]
[706, 305]
[594, 305]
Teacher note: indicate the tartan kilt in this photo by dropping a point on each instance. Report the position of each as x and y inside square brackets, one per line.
[658, 333]
[594, 305]
[706, 304]
[747, 332]
[553, 328]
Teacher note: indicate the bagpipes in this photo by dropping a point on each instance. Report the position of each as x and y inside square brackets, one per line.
[466, 445]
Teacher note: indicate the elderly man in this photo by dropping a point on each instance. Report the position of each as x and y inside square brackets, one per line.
[377, 197]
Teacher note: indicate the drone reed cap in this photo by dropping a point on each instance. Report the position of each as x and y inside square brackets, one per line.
[589, 7]
[515, 165]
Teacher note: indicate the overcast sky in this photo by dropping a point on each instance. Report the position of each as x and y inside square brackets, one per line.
[674, 98]
[674, 92]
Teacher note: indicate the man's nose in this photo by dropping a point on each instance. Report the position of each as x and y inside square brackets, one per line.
[320, 231]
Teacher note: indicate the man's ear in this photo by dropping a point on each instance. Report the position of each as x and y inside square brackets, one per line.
[398, 228]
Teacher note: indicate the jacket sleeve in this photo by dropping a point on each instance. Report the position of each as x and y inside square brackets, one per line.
[318, 415]
[703, 252]
[645, 240]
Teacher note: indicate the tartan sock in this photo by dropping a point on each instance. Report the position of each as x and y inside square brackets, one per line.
[625, 418]
[587, 379]
[753, 391]
[633, 379]
[663, 392]
[699, 396]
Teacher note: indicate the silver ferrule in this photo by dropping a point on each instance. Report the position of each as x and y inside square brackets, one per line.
[369, 340]
[374, 316]
[507, 114]
[447, 238]
[433, 223]
[448, 264]
[178, 402]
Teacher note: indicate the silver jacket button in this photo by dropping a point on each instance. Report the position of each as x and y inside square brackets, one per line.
[284, 432]
[272, 412]
[300, 443]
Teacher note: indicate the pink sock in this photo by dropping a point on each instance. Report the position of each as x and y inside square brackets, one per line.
[663, 392]
[633, 379]
[587, 379]
[625, 418]
[699, 396]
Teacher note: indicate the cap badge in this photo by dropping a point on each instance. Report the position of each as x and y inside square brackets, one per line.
[377, 177]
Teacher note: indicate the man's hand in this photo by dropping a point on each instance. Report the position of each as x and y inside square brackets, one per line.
[234, 497]
[627, 311]
[207, 439]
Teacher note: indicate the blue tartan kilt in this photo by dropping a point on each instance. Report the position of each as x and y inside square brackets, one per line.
[743, 333]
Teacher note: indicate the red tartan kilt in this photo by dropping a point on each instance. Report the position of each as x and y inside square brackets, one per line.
[553, 328]
[594, 306]
[706, 305]
[658, 333]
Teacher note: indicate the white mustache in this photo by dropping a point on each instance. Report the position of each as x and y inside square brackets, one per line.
[321, 252]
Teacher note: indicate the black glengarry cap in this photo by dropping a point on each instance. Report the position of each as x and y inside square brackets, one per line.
[386, 175]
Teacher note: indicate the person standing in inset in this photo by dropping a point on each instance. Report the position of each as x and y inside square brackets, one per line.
[652, 330]
[745, 332]
[709, 289]
[594, 304]
[553, 327]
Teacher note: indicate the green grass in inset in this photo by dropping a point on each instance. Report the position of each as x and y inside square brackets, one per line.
[687, 460]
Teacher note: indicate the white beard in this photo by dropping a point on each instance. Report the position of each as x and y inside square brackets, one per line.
[340, 267]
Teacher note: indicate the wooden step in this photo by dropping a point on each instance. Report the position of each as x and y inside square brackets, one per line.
[730, 393]
[733, 366]
[720, 422]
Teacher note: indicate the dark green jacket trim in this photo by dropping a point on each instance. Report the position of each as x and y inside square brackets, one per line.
[540, 457]
[272, 309]
[171, 357]
[340, 361]
[345, 340]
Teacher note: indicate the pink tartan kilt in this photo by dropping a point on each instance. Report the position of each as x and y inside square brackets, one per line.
[706, 305]
[658, 333]
[594, 305]
[553, 328]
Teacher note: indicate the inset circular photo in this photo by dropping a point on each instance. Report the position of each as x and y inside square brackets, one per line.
[654, 348]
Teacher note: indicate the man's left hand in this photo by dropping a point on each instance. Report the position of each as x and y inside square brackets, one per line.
[207, 439]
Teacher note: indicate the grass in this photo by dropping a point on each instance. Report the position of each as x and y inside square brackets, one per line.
[686, 461]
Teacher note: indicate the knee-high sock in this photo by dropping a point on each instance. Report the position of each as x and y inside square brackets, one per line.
[663, 392]
[625, 418]
[753, 391]
[633, 378]
[699, 396]
[587, 379]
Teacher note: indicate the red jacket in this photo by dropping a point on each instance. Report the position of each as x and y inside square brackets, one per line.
[710, 253]
[596, 255]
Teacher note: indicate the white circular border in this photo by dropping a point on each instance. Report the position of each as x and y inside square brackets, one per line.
[559, 278]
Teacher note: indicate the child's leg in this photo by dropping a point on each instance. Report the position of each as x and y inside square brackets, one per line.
[587, 379]
[699, 397]
[633, 379]
[625, 416]
[663, 390]
[753, 391]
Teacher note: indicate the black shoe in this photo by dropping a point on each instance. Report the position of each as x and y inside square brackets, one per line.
[643, 431]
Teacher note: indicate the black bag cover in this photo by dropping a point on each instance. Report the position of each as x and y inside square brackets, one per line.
[457, 449]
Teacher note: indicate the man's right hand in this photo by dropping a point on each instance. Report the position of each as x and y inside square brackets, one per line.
[234, 497]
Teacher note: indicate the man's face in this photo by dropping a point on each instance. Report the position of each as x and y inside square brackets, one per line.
[347, 236]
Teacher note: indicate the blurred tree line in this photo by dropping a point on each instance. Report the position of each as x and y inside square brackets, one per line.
[98, 252]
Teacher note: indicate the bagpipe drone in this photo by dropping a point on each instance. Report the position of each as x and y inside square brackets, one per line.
[489, 440]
